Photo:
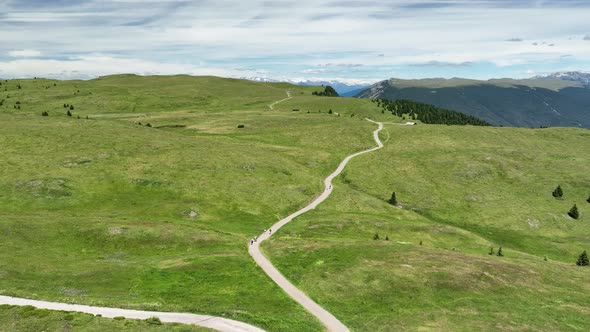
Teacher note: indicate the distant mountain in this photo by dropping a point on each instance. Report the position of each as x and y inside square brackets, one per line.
[261, 79]
[561, 99]
[344, 89]
[574, 76]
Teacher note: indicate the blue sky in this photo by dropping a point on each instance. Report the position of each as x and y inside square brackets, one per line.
[352, 41]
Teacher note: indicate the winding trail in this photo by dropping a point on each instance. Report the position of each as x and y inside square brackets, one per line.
[329, 321]
[271, 106]
[216, 323]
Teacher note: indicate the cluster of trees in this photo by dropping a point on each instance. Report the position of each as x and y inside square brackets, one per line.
[573, 212]
[328, 92]
[427, 113]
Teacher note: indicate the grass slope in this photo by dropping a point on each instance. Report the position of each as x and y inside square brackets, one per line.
[463, 190]
[97, 211]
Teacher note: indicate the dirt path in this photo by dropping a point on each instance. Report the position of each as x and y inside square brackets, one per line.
[271, 106]
[331, 322]
[216, 323]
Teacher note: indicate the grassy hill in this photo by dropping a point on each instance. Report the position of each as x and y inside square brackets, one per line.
[109, 212]
[461, 191]
[522, 103]
[98, 210]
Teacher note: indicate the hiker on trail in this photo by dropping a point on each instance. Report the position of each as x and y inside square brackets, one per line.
[269, 230]
[251, 242]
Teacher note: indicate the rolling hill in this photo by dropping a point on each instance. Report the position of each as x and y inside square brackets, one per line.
[558, 100]
[108, 211]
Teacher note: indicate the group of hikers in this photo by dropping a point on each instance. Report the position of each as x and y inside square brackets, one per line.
[255, 239]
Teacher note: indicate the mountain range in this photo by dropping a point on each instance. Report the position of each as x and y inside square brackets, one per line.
[558, 99]
[344, 89]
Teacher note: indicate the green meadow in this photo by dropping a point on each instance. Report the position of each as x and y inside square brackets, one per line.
[461, 191]
[99, 208]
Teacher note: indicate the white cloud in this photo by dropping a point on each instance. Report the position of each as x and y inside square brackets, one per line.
[24, 53]
[97, 65]
[164, 36]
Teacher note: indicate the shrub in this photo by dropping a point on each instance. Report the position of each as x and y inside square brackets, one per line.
[44, 114]
[386, 237]
[149, 124]
[573, 212]
[154, 321]
[295, 110]
[68, 113]
[420, 242]
[241, 126]
[500, 253]
[491, 253]
[330, 111]
[393, 199]
[583, 259]
[72, 107]
[557, 192]
[119, 318]
[376, 236]
[588, 200]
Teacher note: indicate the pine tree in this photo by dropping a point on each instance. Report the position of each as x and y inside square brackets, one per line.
[557, 193]
[69, 113]
[588, 200]
[376, 236]
[491, 253]
[500, 253]
[583, 259]
[393, 199]
[386, 237]
[574, 212]
[72, 107]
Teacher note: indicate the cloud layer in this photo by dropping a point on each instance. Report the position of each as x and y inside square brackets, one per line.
[368, 40]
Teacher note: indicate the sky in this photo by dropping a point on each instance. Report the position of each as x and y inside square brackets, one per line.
[351, 41]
